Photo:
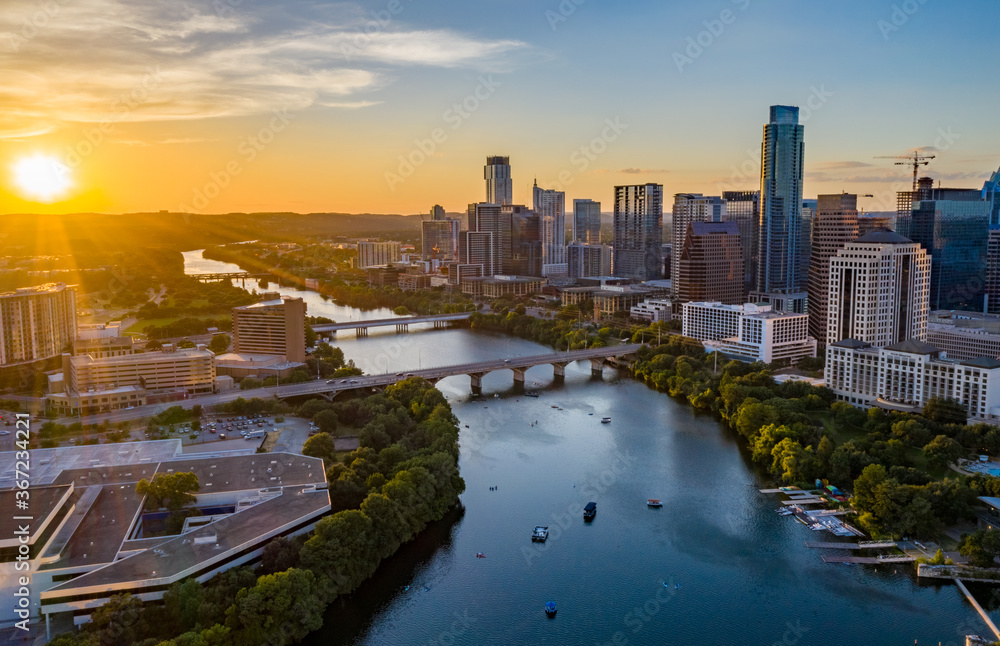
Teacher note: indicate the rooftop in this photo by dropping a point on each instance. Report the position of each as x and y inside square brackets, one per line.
[912, 346]
[883, 236]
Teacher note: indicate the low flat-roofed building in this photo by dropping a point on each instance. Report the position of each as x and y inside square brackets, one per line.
[497, 286]
[654, 310]
[904, 376]
[239, 365]
[87, 539]
[964, 335]
[749, 332]
[413, 282]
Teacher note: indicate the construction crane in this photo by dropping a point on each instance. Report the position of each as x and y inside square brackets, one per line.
[916, 160]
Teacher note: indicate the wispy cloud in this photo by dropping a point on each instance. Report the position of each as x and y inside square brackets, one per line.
[248, 60]
[837, 165]
[633, 171]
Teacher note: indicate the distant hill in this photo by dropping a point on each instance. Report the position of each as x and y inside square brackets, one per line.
[94, 235]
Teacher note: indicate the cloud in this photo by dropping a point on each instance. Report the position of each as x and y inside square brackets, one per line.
[634, 171]
[836, 165]
[90, 61]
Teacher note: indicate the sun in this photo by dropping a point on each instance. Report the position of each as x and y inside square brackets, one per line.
[42, 177]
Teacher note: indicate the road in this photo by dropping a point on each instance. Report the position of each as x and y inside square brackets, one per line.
[353, 383]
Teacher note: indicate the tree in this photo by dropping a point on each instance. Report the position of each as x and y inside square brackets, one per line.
[326, 420]
[945, 411]
[279, 555]
[170, 490]
[185, 344]
[219, 343]
[943, 450]
[196, 411]
[281, 609]
[865, 486]
[401, 310]
[321, 446]
[981, 547]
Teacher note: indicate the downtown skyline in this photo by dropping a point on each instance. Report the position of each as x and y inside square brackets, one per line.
[293, 107]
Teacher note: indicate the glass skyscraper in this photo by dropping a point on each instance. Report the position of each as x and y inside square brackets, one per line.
[638, 231]
[499, 185]
[953, 226]
[780, 230]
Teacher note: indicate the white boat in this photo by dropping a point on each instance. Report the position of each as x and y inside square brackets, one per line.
[653, 502]
[605, 420]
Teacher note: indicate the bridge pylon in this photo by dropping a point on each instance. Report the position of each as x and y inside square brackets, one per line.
[477, 382]
[597, 367]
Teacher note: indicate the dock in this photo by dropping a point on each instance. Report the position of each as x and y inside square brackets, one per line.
[979, 609]
[866, 545]
[868, 560]
[803, 501]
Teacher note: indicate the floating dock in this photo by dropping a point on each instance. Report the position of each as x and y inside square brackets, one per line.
[869, 560]
[803, 501]
[864, 545]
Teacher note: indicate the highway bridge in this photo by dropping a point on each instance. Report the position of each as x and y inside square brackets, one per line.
[401, 323]
[205, 278]
[598, 358]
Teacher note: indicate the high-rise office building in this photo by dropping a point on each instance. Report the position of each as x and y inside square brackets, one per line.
[276, 325]
[550, 207]
[711, 264]
[526, 244]
[588, 260]
[992, 304]
[638, 231]
[869, 223]
[499, 185]
[36, 323]
[439, 239]
[904, 205]
[991, 193]
[478, 250]
[437, 212]
[779, 232]
[805, 241]
[743, 208]
[953, 226]
[878, 291]
[688, 208]
[587, 221]
[834, 225]
[493, 218]
[377, 254]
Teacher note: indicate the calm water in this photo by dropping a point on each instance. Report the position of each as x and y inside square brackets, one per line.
[744, 573]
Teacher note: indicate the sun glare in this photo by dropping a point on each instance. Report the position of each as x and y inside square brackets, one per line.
[42, 177]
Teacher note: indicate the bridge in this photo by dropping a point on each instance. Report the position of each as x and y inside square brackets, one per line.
[401, 323]
[205, 278]
[598, 357]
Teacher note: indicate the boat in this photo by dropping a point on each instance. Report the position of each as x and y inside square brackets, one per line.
[531, 393]
[785, 511]
[605, 420]
[540, 534]
[550, 609]
[653, 502]
[590, 511]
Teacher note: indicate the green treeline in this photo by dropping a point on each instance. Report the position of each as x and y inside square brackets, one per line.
[404, 476]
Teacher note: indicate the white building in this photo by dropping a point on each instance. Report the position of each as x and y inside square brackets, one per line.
[965, 335]
[750, 332]
[879, 290]
[654, 310]
[903, 376]
[377, 254]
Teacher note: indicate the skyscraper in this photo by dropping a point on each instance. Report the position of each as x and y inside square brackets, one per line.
[437, 212]
[992, 304]
[439, 239]
[953, 225]
[550, 207]
[711, 265]
[526, 245]
[834, 225]
[779, 232]
[587, 221]
[878, 291]
[499, 186]
[743, 208]
[276, 325]
[991, 193]
[492, 218]
[37, 323]
[588, 260]
[638, 231]
[688, 208]
[478, 251]
[805, 241]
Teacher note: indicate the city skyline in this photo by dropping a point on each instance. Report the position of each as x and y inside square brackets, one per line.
[295, 107]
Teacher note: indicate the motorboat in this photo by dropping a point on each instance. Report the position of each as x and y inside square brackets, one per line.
[654, 502]
[540, 534]
[605, 420]
[590, 511]
[550, 609]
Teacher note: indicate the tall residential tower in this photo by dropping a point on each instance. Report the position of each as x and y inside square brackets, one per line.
[499, 186]
[638, 231]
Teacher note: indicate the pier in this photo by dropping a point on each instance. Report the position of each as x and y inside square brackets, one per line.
[979, 609]
[869, 560]
[861, 545]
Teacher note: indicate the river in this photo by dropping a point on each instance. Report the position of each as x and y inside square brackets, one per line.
[735, 572]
